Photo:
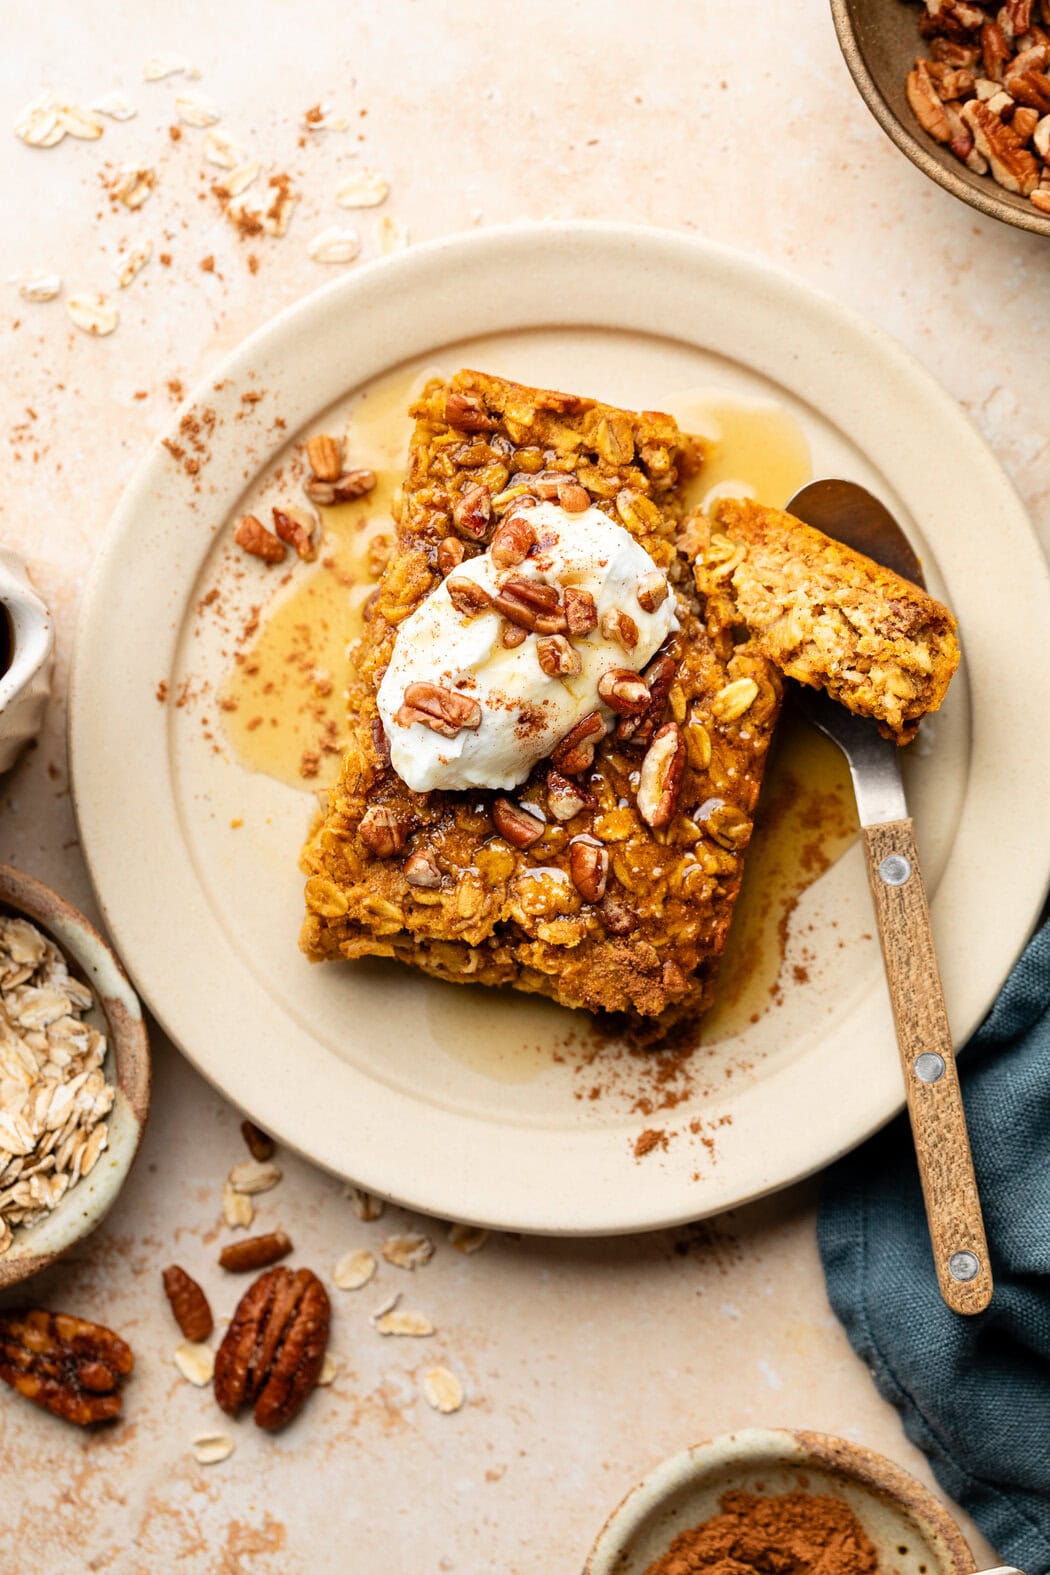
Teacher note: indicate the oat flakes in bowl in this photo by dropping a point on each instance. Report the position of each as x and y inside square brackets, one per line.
[74, 1076]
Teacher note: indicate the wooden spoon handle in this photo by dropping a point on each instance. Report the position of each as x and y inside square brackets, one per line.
[938, 1122]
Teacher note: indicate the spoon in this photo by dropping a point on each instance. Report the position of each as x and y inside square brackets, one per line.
[848, 513]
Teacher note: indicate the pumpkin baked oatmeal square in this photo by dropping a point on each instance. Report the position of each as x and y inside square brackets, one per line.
[556, 742]
[828, 616]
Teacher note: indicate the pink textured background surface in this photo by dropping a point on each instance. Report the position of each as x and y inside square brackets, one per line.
[584, 1364]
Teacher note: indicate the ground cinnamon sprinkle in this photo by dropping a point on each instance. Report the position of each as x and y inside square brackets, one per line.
[795, 1534]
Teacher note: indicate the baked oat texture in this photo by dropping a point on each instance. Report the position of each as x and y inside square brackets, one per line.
[828, 616]
[479, 908]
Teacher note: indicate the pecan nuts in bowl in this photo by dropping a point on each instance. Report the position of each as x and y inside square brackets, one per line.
[63, 1156]
[960, 132]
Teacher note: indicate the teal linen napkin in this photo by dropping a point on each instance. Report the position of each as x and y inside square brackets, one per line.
[973, 1393]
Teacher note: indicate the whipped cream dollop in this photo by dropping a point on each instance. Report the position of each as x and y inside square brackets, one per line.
[524, 710]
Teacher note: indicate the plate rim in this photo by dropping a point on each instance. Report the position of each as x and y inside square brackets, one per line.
[673, 248]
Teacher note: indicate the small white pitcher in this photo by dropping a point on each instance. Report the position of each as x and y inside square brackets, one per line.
[27, 640]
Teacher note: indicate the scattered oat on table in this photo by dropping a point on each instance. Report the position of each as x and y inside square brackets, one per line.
[195, 109]
[354, 1270]
[240, 177]
[364, 1205]
[195, 1362]
[115, 105]
[338, 244]
[254, 1175]
[410, 1251]
[442, 1389]
[134, 184]
[131, 263]
[210, 1448]
[391, 234]
[93, 313]
[392, 1319]
[237, 1208]
[467, 1238]
[159, 66]
[362, 189]
[39, 286]
[53, 1092]
[219, 149]
[329, 1368]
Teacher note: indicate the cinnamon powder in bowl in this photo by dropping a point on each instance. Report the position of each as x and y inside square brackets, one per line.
[775, 1502]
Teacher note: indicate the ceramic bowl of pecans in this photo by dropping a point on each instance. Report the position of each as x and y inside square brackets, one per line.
[963, 88]
[74, 1076]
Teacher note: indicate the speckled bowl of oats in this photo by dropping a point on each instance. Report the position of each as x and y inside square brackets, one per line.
[74, 1076]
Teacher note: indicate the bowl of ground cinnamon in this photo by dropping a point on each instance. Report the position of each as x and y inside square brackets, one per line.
[773, 1502]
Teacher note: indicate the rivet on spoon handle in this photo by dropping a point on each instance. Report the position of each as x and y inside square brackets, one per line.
[938, 1121]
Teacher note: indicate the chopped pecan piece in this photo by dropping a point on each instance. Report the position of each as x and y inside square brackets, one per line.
[1012, 165]
[581, 614]
[617, 918]
[589, 867]
[423, 870]
[472, 513]
[294, 527]
[467, 413]
[451, 553]
[565, 798]
[659, 676]
[558, 658]
[1031, 89]
[661, 777]
[624, 691]
[273, 1350]
[444, 711]
[255, 1252]
[380, 742]
[575, 753]
[383, 831]
[995, 51]
[926, 103]
[252, 536]
[652, 590]
[531, 605]
[513, 635]
[350, 485]
[325, 456]
[512, 543]
[621, 627]
[467, 596]
[189, 1304]
[519, 826]
[573, 498]
[64, 1364]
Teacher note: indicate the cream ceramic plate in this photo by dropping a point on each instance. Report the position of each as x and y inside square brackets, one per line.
[476, 1105]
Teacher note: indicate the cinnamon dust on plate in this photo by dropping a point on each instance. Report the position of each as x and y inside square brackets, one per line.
[793, 1534]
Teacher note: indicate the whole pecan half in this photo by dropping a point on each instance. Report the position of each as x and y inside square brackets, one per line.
[252, 537]
[566, 798]
[512, 542]
[531, 605]
[189, 1305]
[581, 614]
[661, 776]
[254, 1252]
[472, 513]
[624, 691]
[67, 1365]
[589, 867]
[324, 454]
[291, 526]
[519, 826]
[467, 414]
[575, 753]
[272, 1352]
[444, 711]
[383, 831]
